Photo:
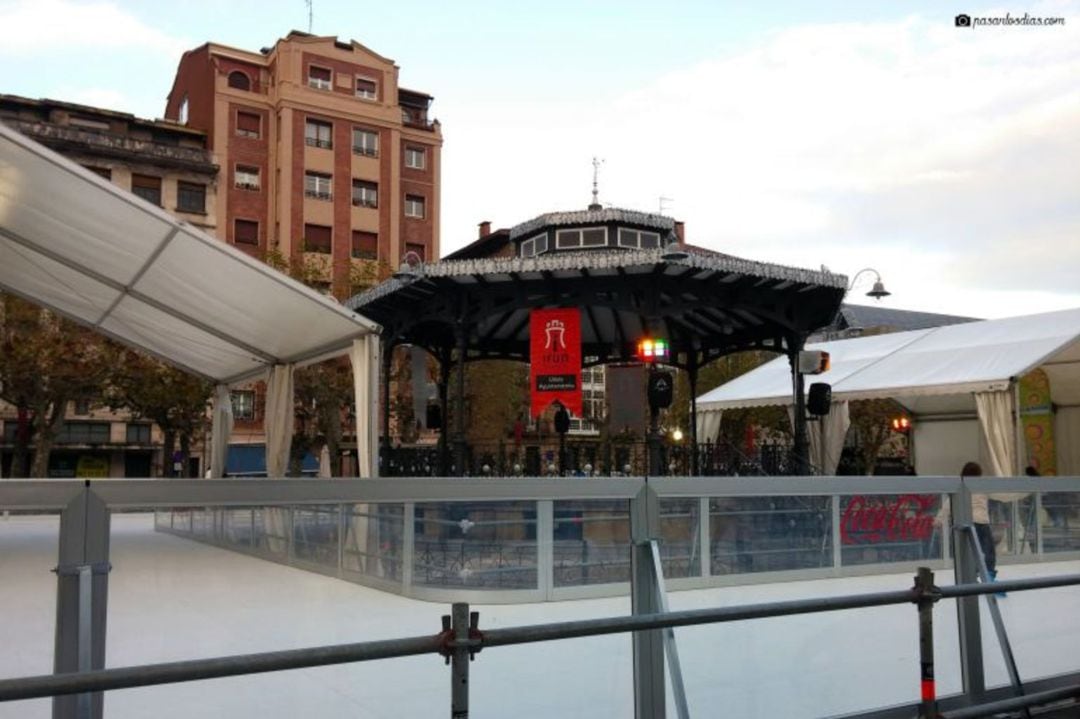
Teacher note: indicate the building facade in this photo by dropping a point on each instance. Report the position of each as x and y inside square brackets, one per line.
[164, 163]
[325, 158]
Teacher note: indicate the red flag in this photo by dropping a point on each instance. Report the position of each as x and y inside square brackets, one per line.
[555, 359]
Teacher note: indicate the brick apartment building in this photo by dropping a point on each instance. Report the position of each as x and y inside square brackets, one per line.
[324, 157]
[308, 149]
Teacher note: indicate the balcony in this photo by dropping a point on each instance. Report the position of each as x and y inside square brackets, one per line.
[416, 118]
[67, 139]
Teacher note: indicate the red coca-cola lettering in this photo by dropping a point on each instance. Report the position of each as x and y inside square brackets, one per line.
[870, 520]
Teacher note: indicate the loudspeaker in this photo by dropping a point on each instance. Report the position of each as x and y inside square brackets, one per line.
[434, 416]
[562, 420]
[819, 398]
[661, 387]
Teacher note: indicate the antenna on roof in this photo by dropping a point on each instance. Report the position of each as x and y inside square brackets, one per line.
[596, 162]
[310, 13]
[664, 202]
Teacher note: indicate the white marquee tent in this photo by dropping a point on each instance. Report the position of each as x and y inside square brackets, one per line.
[960, 383]
[95, 253]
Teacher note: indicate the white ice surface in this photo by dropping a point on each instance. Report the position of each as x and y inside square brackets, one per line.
[172, 599]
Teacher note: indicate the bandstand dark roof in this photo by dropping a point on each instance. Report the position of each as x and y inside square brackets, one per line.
[705, 304]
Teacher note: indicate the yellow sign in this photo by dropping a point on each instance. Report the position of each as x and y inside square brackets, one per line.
[92, 468]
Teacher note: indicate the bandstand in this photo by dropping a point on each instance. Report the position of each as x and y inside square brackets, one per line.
[629, 273]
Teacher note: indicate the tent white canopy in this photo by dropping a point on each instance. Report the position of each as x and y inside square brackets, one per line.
[933, 372]
[88, 250]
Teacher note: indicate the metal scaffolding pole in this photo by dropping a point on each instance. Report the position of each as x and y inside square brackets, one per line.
[82, 590]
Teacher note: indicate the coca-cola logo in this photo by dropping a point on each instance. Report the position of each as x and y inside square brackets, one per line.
[900, 518]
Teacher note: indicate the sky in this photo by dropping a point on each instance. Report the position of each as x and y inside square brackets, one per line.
[840, 134]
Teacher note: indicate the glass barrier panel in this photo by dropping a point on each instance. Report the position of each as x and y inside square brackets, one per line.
[883, 528]
[592, 542]
[769, 534]
[680, 540]
[475, 545]
[1060, 521]
[374, 541]
[316, 532]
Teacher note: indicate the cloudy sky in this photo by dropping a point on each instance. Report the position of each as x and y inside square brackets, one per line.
[838, 133]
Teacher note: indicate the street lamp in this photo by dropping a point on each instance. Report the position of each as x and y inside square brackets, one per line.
[877, 291]
[411, 267]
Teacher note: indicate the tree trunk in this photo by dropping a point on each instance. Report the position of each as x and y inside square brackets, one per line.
[185, 452]
[47, 423]
[20, 455]
[167, 445]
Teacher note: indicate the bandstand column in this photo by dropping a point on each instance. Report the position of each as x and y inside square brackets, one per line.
[444, 404]
[691, 373]
[461, 336]
[798, 421]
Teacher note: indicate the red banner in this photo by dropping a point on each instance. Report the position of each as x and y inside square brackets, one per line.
[555, 359]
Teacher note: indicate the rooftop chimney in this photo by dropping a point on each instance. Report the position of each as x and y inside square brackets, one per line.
[485, 228]
[680, 232]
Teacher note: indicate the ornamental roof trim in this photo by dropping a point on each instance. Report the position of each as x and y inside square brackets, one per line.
[593, 217]
[599, 260]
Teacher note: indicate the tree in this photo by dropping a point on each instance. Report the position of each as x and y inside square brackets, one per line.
[174, 400]
[871, 423]
[735, 423]
[45, 363]
[323, 392]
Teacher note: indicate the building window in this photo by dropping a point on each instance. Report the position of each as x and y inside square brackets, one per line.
[248, 124]
[365, 193]
[318, 133]
[246, 177]
[366, 88]
[243, 404]
[414, 206]
[318, 185]
[138, 433]
[191, 197]
[417, 249]
[319, 78]
[365, 245]
[246, 232]
[147, 187]
[534, 246]
[83, 433]
[317, 238]
[638, 239]
[82, 406]
[414, 158]
[102, 172]
[182, 112]
[239, 80]
[365, 142]
[572, 239]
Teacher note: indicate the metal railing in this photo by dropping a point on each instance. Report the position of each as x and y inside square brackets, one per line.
[691, 503]
[461, 638]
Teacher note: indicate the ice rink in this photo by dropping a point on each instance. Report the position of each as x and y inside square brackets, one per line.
[173, 599]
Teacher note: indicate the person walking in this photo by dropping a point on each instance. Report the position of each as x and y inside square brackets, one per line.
[980, 518]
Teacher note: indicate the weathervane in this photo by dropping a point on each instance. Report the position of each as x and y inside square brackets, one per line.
[596, 162]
